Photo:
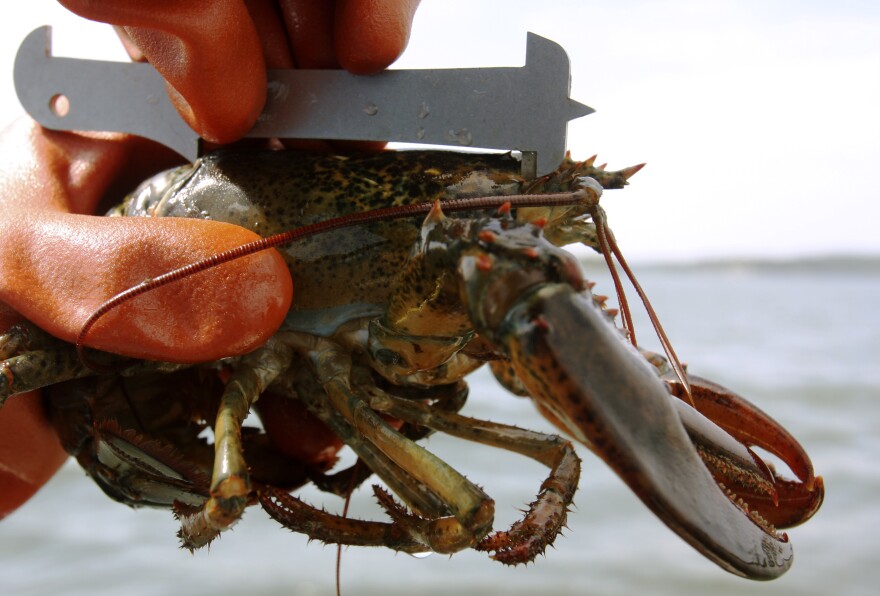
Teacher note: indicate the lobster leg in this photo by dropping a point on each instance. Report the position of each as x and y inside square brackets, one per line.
[30, 359]
[546, 516]
[25, 337]
[471, 509]
[39, 368]
[230, 484]
[312, 394]
[449, 398]
[317, 524]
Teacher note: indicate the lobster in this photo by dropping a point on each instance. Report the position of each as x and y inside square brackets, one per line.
[389, 317]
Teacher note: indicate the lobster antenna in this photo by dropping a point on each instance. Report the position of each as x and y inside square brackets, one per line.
[348, 493]
[652, 314]
[345, 221]
[602, 232]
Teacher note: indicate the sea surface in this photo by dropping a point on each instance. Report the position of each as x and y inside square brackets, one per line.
[801, 339]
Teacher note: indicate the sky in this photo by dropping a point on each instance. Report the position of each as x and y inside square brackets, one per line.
[758, 120]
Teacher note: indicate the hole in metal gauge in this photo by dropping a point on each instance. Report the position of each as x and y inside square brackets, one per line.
[60, 105]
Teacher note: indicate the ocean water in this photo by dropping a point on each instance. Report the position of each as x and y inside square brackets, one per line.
[802, 340]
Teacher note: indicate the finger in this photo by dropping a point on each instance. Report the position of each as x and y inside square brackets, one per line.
[310, 27]
[128, 44]
[371, 34]
[366, 36]
[268, 21]
[30, 452]
[304, 26]
[211, 58]
[56, 268]
[65, 266]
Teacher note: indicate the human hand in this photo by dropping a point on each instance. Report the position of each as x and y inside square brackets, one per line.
[214, 60]
[57, 264]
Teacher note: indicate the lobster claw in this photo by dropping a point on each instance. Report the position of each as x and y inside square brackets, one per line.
[603, 392]
[790, 502]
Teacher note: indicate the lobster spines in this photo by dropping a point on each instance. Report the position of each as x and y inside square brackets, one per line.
[631, 171]
[565, 176]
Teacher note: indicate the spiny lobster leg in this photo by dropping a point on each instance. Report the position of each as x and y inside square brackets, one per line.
[230, 484]
[546, 516]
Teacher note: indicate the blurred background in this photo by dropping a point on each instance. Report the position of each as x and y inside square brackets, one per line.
[753, 229]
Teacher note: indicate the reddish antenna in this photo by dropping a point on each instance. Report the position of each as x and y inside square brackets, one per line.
[345, 221]
[609, 245]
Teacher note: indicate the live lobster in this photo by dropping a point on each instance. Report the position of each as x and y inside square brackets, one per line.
[388, 318]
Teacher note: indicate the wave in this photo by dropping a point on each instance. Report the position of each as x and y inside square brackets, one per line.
[848, 264]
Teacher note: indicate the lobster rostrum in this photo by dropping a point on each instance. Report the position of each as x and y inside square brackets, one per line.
[388, 318]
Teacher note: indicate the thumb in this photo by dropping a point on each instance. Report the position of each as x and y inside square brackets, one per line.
[210, 57]
[56, 267]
